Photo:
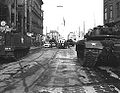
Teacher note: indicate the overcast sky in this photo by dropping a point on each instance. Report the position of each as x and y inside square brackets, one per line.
[74, 12]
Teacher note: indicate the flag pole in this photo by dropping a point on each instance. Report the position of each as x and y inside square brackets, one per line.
[84, 27]
[63, 21]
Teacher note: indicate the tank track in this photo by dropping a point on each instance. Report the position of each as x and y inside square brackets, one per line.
[90, 59]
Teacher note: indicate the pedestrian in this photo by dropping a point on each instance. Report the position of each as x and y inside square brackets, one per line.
[2, 27]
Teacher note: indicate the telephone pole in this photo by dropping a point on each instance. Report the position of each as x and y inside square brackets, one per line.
[84, 27]
[94, 20]
[79, 32]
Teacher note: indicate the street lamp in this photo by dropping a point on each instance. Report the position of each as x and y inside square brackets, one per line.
[59, 6]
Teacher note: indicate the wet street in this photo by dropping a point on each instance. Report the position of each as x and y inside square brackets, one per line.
[57, 71]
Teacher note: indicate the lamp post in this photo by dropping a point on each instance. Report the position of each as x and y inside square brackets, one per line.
[59, 6]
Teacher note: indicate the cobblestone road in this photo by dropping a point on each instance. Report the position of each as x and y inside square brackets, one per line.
[57, 71]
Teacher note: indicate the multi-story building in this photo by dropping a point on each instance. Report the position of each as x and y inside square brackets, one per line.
[54, 34]
[25, 15]
[112, 13]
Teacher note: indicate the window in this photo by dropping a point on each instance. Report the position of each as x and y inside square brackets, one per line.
[118, 9]
[111, 11]
[105, 13]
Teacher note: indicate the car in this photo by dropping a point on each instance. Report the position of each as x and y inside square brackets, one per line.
[70, 42]
[53, 44]
[47, 45]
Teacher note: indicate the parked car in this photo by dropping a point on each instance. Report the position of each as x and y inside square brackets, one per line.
[47, 45]
[53, 44]
[70, 42]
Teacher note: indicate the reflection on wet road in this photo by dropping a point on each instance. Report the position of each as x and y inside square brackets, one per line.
[57, 71]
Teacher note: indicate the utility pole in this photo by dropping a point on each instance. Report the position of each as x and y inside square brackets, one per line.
[59, 6]
[94, 20]
[84, 27]
[46, 30]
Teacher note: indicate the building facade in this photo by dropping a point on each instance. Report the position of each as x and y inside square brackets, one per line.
[54, 34]
[112, 13]
[11, 6]
[35, 22]
[26, 16]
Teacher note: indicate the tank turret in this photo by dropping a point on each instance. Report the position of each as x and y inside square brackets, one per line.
[100, 46]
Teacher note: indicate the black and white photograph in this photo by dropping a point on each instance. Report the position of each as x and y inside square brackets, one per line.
[59, 46]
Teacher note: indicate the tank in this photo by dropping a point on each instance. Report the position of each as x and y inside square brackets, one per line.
[13, 43]
[100, 47]
[62, 44]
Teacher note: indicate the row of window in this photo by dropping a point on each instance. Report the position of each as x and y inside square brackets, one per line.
[118, 9]
[109, 11]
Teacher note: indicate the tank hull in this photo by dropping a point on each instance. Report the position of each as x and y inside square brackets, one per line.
[14, 44]
[98, 53]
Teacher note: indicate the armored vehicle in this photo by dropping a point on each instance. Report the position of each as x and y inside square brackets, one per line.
[99, 48]
[13, 41]
[62, 44]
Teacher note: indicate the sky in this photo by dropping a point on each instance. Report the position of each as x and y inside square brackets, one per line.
[73, 15]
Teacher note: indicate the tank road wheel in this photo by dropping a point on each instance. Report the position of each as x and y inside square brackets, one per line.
[89, 60]
[25, 51]
[19, 53]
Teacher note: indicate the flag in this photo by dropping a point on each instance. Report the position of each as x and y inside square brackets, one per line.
[63, 21]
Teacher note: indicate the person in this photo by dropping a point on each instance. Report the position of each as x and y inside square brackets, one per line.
[13, 27]
[4, 27]
[7, 28]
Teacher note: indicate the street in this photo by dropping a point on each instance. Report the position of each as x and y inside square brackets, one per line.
[53, 70]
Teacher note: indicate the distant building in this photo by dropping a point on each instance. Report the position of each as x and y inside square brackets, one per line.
[54, 34]
[72, 36]
[112, 13]
[35, 19]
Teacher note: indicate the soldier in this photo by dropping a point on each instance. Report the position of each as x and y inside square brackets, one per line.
[4, 27]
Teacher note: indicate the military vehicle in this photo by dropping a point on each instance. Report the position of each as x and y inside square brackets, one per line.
[62, 44]
[101, 46]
